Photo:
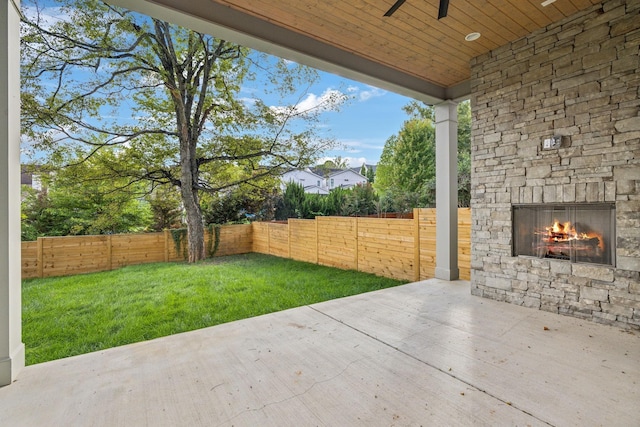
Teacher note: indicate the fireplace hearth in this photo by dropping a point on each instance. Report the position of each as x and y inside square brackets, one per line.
[573, 232]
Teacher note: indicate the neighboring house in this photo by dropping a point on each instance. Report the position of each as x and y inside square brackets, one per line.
[311, 182]
[347, 178]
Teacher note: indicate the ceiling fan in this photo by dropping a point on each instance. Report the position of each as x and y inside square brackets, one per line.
[442, 10]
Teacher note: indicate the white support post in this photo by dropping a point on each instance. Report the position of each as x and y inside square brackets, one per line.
[447, 191]
[11, 346]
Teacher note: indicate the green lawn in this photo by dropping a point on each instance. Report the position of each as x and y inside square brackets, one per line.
[78, 314]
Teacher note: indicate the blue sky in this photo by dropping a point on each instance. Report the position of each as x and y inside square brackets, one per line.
[363, 124]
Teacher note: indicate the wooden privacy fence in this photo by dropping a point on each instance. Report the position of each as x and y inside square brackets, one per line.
[65, 256]
[397, 248]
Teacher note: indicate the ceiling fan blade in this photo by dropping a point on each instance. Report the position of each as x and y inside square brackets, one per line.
[442, 10]
[395, 7]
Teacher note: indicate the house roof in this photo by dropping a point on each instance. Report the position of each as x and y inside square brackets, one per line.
[369, 167]
[306, 171]
[343, 171]
[411, 52]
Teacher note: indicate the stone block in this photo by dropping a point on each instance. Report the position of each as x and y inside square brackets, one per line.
[560, 267]
[584, 162]
[626, 63]
[499, 283]
[503, 197]
[582, 307]
[617, 310]
[519, 285]
[531, 302]
[514, 298]
[537, 194]
[550, 300]
[534, 172]
[609, 191]
[569, 193]
[593, 193]
[604, 274]
[628, 263]
[624, 299]
[558, 293]
[505, 151]
[628, 125]
[599, 58]
[629, 209]
[492, 138]
[593, 294]
[581, 192]
[568, 288]
[605, 318]
[624, 26]
[573, 312]
[549, 195]
[626, 173]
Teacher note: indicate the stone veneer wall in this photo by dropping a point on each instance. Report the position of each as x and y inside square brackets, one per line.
[579, 78]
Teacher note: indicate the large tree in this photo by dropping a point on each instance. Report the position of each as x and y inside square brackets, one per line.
[169, 98]
[407, 165]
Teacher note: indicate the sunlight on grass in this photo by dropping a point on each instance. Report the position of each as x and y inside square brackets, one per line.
[73, 315]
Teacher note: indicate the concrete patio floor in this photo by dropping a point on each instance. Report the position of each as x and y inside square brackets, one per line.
[426, 353]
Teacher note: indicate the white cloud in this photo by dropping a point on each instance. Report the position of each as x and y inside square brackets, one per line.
[372, 92]
[328, 100]
[356, 161]
[367, 93]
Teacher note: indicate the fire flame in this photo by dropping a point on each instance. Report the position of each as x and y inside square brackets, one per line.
[564, 232]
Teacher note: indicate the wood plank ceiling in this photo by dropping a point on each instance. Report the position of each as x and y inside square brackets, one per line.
[413, 40]
[410, 52]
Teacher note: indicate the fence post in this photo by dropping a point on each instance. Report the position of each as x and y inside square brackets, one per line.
[166, 245]
[355, 240]
[317, 243]
[416, 244]
[269, 238]
[109, 252]
[39, 257]
[289, 236]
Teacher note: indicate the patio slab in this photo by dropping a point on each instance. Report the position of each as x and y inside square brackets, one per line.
[426, 353]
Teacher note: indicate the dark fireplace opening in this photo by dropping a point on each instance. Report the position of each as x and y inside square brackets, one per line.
[581, 232]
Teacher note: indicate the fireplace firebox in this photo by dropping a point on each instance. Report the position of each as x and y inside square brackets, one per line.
[583, 232]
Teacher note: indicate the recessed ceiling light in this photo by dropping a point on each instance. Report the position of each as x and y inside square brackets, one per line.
[472, 36]
[546, 3]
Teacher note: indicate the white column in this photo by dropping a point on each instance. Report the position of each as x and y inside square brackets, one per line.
[447, 191]
[11, 346]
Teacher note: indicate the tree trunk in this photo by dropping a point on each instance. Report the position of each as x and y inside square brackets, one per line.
[195, 227]
[190, 199]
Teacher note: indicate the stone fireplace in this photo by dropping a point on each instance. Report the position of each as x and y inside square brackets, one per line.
[556, 168]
